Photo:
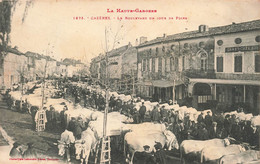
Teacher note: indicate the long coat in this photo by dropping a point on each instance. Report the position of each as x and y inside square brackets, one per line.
[15, 153]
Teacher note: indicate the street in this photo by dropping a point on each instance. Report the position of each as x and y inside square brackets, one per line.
[19, 127]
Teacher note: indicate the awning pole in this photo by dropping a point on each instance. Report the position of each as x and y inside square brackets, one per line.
[173, 91]
[244, 94]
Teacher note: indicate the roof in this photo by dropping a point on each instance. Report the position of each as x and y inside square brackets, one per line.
[118, 50]
[227, 29]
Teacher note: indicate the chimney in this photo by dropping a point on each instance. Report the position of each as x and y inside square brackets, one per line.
[203, 28]
[164, 35]
[136, 42]
[143, 39]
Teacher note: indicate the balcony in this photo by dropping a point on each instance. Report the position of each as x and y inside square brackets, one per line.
[198, 73]
[232, 76]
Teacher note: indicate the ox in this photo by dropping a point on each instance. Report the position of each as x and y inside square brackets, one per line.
[85, 145]
[135, 142]
[246, 156]
[213, 154]
[191, 149]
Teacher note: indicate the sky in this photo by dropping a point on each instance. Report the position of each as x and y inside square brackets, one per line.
[50, 24]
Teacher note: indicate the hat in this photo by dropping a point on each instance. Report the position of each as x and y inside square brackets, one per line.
[30, 144]
[146, 147]
[16, 144]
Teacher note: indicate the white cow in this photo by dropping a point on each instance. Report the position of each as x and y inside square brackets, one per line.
[213, 154]
[87, 144]
[135, 141]
[192, 148]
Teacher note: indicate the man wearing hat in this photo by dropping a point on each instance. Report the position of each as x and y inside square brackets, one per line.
[208, 120]
[213, 131]
[30, 152]
[148, 157]
[142, 112]
[15, 151]
[160, 154]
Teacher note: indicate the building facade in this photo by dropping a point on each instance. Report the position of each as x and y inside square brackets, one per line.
[204, 68]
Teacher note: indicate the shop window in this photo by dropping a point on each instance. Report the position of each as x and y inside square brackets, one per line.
[257, 62]
[238, 63]
[220, 64]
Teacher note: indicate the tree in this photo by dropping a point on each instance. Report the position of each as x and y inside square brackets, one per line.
[5, 23]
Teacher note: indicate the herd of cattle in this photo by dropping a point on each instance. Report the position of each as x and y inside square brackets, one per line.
[138, 136]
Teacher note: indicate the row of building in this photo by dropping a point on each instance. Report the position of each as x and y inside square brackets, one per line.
[16, 67]
[211, 66]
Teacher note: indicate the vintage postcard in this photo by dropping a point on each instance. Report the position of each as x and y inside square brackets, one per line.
[130, 81]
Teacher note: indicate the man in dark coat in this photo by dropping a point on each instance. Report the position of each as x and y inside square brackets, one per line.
[200, 118]
[112, 102]
[15, 151]
[208, 120]
[78, 128]
[160, 154]
[202, 132]
[30, 152]
[34, 110]
[156, 116]
[236, 131]
[71, 125]
[142, 111]
[213, 131]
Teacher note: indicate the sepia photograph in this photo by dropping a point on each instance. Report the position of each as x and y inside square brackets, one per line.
[129, 81]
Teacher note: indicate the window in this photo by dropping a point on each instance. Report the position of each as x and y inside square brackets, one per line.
[257, 38]
[203, 61]
[160, 65]
[163, 49]
[220, 64]
[144, 64]
[238, 40]
[148, 65]
[172, 47]
[238, 63]
[201, 44]
[186, 45]
[153, 65]
[156, 50]
[220, 42]
[176, 63]
[257, 62]
[183, 62]
[171, 63]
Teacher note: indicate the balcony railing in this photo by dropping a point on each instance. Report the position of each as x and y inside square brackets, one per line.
[198, 73]
[232, 76]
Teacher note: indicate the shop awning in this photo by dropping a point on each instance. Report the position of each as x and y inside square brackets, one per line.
[224, 81]
[165, 83]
